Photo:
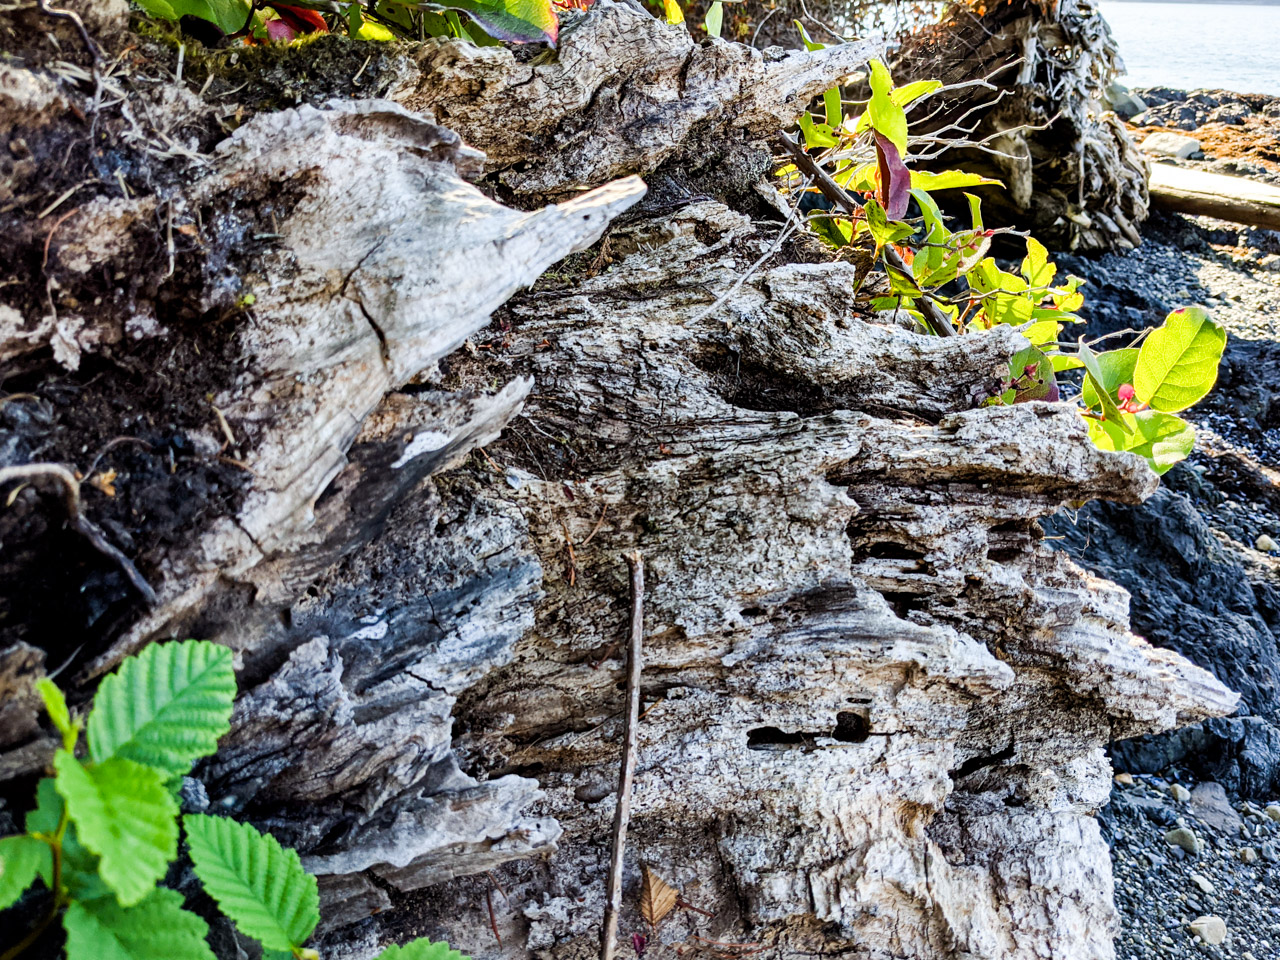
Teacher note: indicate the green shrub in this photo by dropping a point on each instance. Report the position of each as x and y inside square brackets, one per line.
[946, 281]
[105, 827]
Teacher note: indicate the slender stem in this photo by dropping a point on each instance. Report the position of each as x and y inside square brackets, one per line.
[622, 812]
[838, 196]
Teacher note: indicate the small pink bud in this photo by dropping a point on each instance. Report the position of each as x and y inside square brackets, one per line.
[1125, 392]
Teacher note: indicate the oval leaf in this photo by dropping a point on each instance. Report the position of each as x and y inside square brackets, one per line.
[259, 884]
[166, 707]
[1178, 363]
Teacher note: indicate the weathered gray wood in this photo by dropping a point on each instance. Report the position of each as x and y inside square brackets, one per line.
[875, 703]
[1204, 194]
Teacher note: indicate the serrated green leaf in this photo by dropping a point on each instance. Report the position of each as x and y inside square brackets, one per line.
[55, 704]
[259, 884]
[886, 116]
[79, 866]
[123, 813]
[166, 707]
[1178, 362]
[1116, 368]
[422, 949]
[22, 859]
[158, 928]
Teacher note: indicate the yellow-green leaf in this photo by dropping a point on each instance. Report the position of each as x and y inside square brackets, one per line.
[1178, 362]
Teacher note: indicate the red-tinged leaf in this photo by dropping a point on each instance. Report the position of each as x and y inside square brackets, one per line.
[895, 178]
[279, 29]
[300, 19]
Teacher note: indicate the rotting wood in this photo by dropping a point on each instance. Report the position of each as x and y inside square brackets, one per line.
[1203, 194]
[630, 734]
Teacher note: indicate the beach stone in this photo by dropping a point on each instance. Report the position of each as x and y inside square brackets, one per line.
[1264, 543]
[1124, 779]
[1179, 793]
[1209, 802]
[1185, 839]
[1212, 930]
[1204, 883]
[1171, 145]
[1248, 855]
[1273, 811]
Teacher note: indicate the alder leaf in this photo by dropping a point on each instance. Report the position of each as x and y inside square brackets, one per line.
[166, 707]
[22, 859]
[158, 928]
[657, 897]
[258, 883]
[422, 949]
[124, 814]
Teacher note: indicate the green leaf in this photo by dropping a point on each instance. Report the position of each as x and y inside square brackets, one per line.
[79, 866]
[1038, 384]
[1042, 332]
[886, 116]
[155, 929]
[422, 949]
[123, 814]
[947, 180]
[22, 859]
[674, 14]
[1116, 368]
[55, 704]
[1036, 268]
[834, 230]
[517, 21]
[1110, 411]
[1063, 362]
[914, 91]
[166, 707]
[882, 229]
[230, 16]
[815, 134]
[975, 210]
[1178, 363]
[1163, 439]
[1166, 439]
[259, 884]
[714, 21]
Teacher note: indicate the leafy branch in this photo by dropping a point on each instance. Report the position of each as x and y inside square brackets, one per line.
[106, 825]
[949, 283]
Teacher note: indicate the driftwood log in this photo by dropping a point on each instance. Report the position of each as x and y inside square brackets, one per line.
[1070, 170]
[348, 414]
[1199, 193]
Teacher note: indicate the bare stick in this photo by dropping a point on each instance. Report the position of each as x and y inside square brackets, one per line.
[32, 472]
[622, 812]
[837, 195]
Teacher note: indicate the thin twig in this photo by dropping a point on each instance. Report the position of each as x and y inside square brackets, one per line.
[837, 195]
[31, 472]
[493, 921]
[596, 529]
[622, 812]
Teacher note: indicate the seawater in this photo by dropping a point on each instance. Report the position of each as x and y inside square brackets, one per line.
[1187, 46]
